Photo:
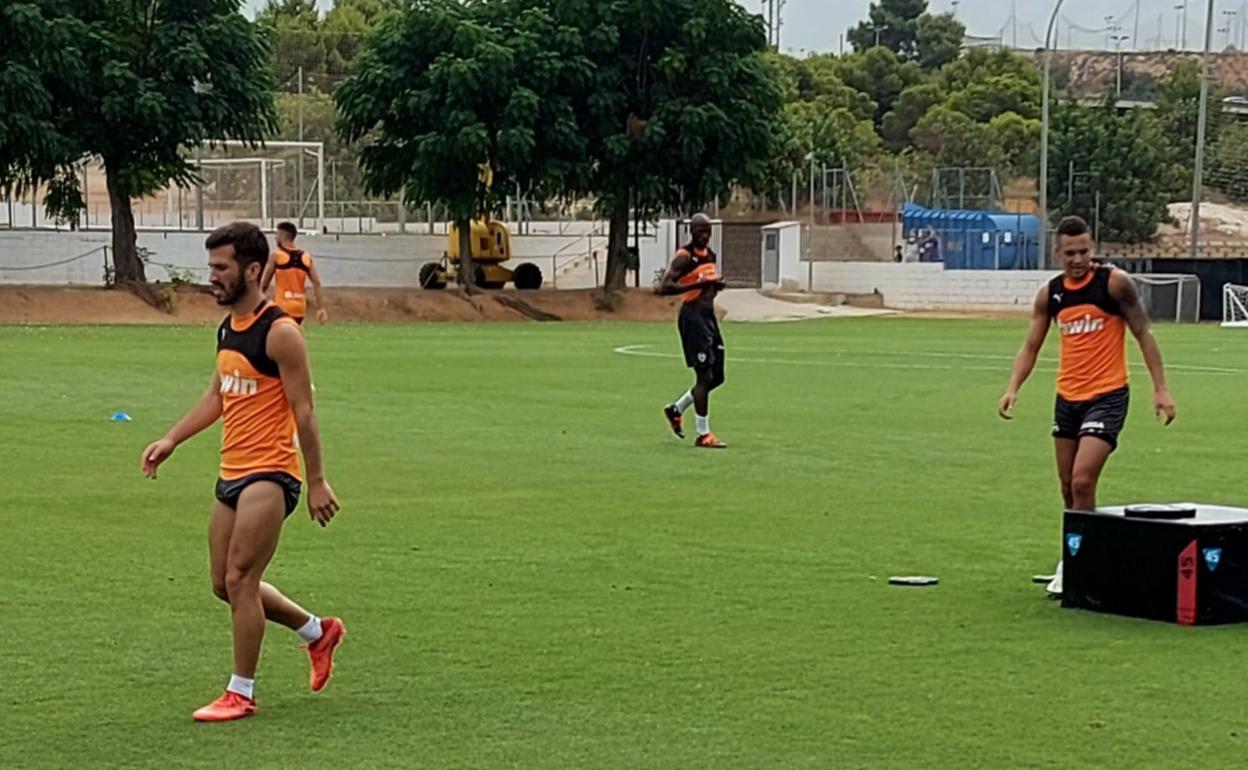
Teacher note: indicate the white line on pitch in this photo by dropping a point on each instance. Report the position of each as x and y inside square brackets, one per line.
[643, 351]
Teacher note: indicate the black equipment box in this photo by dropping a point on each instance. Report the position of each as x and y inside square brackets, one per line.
[1184, 563]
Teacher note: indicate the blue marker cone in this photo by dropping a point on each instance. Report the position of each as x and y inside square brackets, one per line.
[121, 417]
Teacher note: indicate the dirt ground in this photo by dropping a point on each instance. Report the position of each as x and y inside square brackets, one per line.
[81, 305]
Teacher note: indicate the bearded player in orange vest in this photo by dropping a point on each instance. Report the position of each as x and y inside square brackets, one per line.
[262, 387]
[292, 268]
[1092, 305]
[694, 275]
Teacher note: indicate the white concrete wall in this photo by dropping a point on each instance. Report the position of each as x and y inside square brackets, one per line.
[343, 260]
[925, 286]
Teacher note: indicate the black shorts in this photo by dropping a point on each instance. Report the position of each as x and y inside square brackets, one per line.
[699, 336]
[1102, 417]
[228, 492]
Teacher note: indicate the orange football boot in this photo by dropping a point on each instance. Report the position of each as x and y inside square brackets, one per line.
[227, 708]
[710, 442]
[322, 652]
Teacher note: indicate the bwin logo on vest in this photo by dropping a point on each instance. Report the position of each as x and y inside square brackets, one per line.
[1085, 325]
[237, 385]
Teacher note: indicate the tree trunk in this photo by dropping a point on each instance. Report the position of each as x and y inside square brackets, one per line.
[467, 272]
[617, 246]
[126, 262]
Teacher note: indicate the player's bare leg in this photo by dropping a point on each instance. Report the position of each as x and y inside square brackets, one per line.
[1089, 462]
[277, 608]
[257, 527]
[248, 546]
[706, 382]
[1066, 451]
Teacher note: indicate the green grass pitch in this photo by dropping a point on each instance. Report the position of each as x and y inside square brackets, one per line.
[536, 574]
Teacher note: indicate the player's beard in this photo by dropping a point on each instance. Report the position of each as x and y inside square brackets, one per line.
[229, 296]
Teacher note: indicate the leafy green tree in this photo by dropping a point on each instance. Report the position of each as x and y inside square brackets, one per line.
[137, 85]
[461, 102]
[909, 109]
[938, 40]
[954, 139]
[981, 65]
[881, 75]
[43, 69]
[895, 22]
[1228, 163]
[1121, 155]
[1177, 114]
[982, 100]
[682, 104]
[1018, 140]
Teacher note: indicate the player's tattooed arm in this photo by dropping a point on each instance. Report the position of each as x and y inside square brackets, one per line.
[1025, 361]
[1124, 291]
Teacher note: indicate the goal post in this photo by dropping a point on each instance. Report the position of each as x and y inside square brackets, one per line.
[1235, 306]
[1170, 296]
[267, 182]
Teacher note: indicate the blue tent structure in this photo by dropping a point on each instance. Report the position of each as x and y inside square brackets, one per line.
[974, 240]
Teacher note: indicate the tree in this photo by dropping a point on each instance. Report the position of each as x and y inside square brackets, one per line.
[982, 100]
[1177, 113]
[1018, 140]
[896, 22]
[913, 104]
[461, 102]
[1228, 163]
[42, 70]
[938, 40]
[981, 65]
[881, 75]
[296, 42]
[136, 87]
[954, 139]
[682, 104]
[1121, 155]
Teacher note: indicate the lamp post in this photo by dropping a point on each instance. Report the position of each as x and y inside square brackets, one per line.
[1202, 125]
[1044, 137]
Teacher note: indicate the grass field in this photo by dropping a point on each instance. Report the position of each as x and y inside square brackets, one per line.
[535, 574]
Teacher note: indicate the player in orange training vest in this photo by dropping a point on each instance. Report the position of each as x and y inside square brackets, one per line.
[262, 387]
[1092, 305]
[694, 275]
[293, 268]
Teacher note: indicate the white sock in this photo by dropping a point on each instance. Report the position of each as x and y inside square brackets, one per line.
[311, 631]
[704, 425]
[244, 687]
[684, 402]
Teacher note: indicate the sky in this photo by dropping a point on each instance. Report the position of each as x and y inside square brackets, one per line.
[818, 25]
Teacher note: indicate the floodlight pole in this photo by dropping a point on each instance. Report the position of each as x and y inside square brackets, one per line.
[1201, 129]
[1044, 137]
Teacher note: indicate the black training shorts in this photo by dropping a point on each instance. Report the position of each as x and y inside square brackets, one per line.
[1102, 417]
[228, 492]
[699, 336]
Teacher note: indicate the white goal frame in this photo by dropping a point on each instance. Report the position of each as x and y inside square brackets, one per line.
[1234, 306]
[313, 149]
[1178, 280]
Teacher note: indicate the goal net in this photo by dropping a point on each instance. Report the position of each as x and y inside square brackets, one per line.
[1170, 297]
[1235, 306]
